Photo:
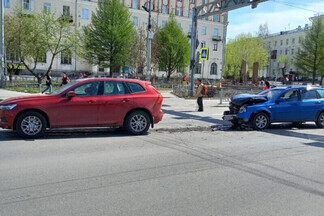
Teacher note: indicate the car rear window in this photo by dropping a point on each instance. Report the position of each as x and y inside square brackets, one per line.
[308, 94]
[321, 92]
[135, 87]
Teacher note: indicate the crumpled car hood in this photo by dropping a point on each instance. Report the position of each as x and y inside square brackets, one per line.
[248, 99]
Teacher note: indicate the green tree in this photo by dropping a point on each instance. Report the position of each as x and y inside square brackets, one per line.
[137, 56]
[30, 36]
[246, 47]
[283, 61]
[107, 40]
[173, 46]
[310, 60]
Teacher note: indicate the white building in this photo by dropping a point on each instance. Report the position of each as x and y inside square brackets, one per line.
[209, 29]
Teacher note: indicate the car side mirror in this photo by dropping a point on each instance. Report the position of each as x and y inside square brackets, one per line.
[70, 95]
[280, 100]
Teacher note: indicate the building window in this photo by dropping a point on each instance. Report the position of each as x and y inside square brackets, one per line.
[293, 41]
[191, 13]
[190, 28]
[281, 42]
[7, 3]
[66, 10]
[299, 39]
[42, 59]
[287, 41]
[198, 69]
[165, 9]
[275, 43]
[205, 1]
[135, 4]
[192, 1]
[269, 44]
[85, 13]
[135, 20]
[179, 0]
[213, 69]
[163, 23]
[286, 52]
[280, 52]
[66, 57]
[203, 30]
[215, 47]
[292, 51]
[178, 11]
[216, 18]
[28, 4]
[215, 31]
[47, 7]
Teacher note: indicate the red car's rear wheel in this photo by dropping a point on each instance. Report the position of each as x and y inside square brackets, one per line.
[137, 122]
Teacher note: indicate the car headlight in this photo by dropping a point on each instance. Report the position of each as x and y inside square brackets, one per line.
[7, 106]
[243, 109]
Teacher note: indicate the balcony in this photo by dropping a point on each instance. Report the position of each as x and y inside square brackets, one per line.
[216, 38]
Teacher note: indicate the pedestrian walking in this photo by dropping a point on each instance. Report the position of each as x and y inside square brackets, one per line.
[48, 80]
[65, 79]
[200, 91]
[267, 85]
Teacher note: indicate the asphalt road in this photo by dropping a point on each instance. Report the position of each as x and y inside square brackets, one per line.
[194, 172]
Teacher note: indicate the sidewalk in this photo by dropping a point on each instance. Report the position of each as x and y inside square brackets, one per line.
[179, 113]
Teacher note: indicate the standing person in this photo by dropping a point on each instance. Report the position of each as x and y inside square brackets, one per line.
[48, 80]
[65, 79]
[199, 95]
[267, 85]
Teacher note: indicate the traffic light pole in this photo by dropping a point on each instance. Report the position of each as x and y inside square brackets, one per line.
[214, 7]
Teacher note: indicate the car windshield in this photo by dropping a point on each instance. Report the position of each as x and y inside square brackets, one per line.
[271, 93]
[63, 88]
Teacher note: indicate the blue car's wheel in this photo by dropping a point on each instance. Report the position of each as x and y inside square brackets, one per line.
[260, 121]
[320, 120]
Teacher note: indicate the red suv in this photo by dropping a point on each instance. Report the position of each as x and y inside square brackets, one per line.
[98, 102]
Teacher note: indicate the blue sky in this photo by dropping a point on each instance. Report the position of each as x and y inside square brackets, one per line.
[280, 15]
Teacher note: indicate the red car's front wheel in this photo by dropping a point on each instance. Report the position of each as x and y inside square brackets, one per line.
[31, 125]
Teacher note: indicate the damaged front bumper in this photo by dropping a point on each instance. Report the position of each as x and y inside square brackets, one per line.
[235, 118]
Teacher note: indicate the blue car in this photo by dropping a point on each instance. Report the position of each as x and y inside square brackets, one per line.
[294, 104]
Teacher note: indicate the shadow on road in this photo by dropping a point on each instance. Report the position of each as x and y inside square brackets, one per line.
[9, 135]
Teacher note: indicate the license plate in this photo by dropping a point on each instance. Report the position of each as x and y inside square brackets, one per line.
[229, 117]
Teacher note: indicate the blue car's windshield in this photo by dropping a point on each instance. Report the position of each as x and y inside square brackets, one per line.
[62, 89]
[271, 93]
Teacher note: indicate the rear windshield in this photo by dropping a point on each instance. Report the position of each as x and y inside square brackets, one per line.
[271, 93]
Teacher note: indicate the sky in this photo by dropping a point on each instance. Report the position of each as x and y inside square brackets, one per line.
[280, 15]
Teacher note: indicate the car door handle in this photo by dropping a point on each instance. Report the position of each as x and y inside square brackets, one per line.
[125, 100]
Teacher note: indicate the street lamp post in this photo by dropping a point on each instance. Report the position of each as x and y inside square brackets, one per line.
[2, 54]
[148, 7]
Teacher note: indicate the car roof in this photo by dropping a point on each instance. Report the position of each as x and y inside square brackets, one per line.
[113, 79]
[298, 87]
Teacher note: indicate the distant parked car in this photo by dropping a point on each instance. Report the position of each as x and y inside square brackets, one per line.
[294, 104]
[99, 102]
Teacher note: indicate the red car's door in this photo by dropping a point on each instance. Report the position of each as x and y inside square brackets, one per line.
[115, 102]
[79, 111]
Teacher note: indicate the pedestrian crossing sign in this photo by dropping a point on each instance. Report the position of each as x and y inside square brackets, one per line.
[204, 54]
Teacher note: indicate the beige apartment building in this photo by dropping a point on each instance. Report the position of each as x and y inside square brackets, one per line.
[210, 29]
[284, 43]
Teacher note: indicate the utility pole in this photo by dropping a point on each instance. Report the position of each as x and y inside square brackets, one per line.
[76, 28]
[2, 54]
[149, 7]
[225, 24]
[214, 7]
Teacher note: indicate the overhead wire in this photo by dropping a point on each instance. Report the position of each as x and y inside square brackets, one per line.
[294, 5]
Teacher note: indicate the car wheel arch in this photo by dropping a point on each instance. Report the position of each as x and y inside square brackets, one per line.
[260, 111]
[140, 109]
[35, 110]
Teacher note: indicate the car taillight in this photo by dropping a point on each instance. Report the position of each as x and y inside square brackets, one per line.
[160, 99]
